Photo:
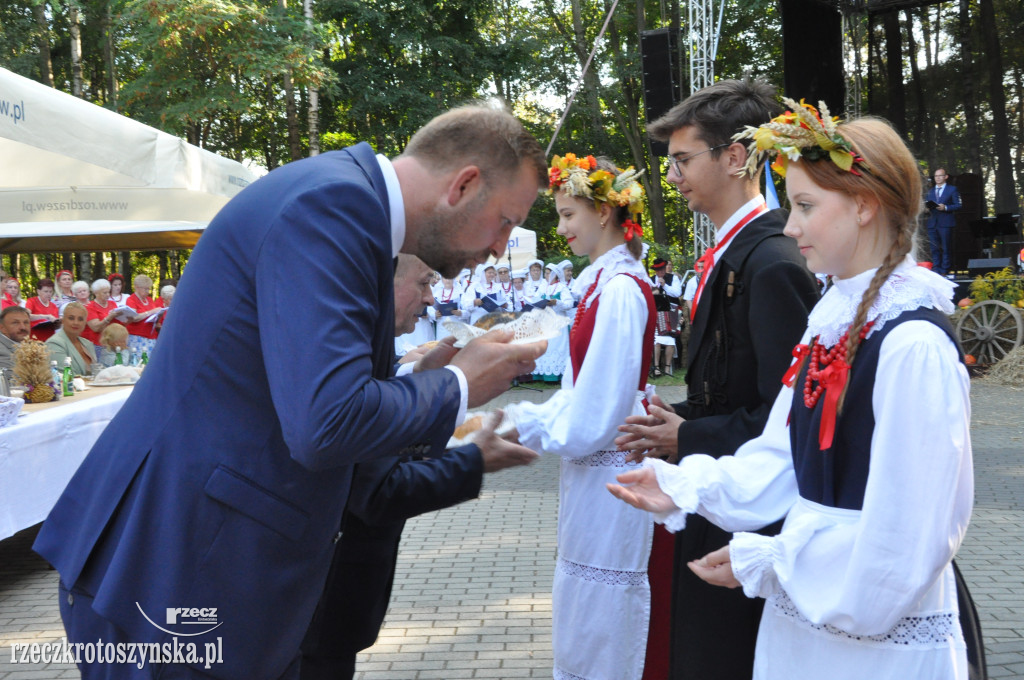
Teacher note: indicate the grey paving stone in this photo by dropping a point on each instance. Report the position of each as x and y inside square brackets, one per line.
[472, 593]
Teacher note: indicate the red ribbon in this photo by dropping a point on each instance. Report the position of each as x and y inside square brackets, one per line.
[833, 378]
[706, 262]
[799, 353]
[632, 229]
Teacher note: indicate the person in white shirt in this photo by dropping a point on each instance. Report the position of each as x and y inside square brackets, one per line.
[748, 311]
[867, 451]
[518, 294]
[602, 595]
[535, 284]
[487, 288]
[666, 288]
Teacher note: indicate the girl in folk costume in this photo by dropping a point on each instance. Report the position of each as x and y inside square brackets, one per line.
[867, 450]
[505, 281]
[602, 599]
[467, 303]
[447, 294]
[551, 365]
[487, 288]
[518, 295]
[535, 285]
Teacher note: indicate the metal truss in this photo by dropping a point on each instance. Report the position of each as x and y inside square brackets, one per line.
[704, 32]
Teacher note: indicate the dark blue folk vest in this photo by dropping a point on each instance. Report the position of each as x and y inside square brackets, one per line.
[837, 476]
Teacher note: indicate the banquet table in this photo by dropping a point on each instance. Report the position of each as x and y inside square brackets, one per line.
[40, 453]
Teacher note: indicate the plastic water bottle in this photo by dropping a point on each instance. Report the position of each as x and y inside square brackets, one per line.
[57, 378]
[118, 361]
[69, 378]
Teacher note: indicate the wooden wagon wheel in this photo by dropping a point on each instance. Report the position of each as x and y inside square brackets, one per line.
[990, 330]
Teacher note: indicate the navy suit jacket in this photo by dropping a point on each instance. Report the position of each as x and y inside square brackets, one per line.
[385, 493]
[221, 482]
[951, 199]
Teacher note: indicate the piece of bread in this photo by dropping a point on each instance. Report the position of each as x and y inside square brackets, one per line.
[470, 426]
[429, 345]
[492, 319]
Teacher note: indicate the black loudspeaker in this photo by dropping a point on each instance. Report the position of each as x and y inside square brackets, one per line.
[812, 53]
[659, 56]
[982, 266]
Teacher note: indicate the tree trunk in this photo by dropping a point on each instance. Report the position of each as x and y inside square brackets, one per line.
[973, 142]
[313, 116]
[922, 109]
[99, 268]
[894, 72]
[85, 267]
[108, 56]
[74, 17]
[68, 262]
[162, 259]
[125, 266]
[1019, 82]
[175, 265]
[291, 117]
[1006, 200]
[591, 82]
[45, 61]
[35, 267]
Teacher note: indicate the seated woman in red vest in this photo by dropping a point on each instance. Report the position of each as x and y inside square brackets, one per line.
[101, 312]
[44, 311]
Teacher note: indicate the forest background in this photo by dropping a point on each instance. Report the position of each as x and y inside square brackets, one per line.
[267, 82]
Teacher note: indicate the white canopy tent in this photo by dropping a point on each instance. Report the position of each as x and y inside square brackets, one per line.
[76, 176]
[522, 244]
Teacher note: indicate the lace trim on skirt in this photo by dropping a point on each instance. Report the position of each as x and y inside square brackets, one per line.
[608, 577]
[602, 459]
[911, 631]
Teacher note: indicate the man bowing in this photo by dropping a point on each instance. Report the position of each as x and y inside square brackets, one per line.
[206, 511]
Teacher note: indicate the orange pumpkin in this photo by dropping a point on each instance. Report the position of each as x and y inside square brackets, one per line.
[965, 302]
[970, 360]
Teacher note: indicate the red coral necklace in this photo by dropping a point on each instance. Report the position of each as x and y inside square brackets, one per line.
[581, 308]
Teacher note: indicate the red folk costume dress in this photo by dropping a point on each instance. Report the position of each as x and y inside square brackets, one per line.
[42, 330]
[601, 599]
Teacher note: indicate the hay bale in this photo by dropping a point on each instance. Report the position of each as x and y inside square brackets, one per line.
[1009, 371]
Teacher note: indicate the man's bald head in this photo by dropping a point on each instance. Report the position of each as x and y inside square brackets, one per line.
[412, 291]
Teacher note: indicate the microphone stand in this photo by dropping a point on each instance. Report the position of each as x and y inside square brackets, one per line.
[515, 380]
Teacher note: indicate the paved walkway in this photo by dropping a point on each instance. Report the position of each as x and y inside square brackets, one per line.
[472, 597]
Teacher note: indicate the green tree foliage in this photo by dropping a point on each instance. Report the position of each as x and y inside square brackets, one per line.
[213, 72]
[207, 64]
[397, 65]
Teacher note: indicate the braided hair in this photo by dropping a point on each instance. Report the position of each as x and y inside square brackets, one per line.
[890, 175]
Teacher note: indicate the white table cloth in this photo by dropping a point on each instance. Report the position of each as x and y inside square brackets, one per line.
[39, 455]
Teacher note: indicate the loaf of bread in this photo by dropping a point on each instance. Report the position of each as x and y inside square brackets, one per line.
[492, 319]
[469, 427]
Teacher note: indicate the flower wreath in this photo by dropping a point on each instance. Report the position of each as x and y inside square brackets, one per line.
[580, 177]
[801, 132]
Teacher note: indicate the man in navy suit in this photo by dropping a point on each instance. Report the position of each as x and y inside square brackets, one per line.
[206, 511]
[941, 220]
[385, 493]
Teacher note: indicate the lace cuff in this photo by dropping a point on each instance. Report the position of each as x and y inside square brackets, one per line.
[751, 556]
[680, 489]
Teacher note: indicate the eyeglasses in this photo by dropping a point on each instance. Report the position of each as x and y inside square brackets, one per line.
[678, 164]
